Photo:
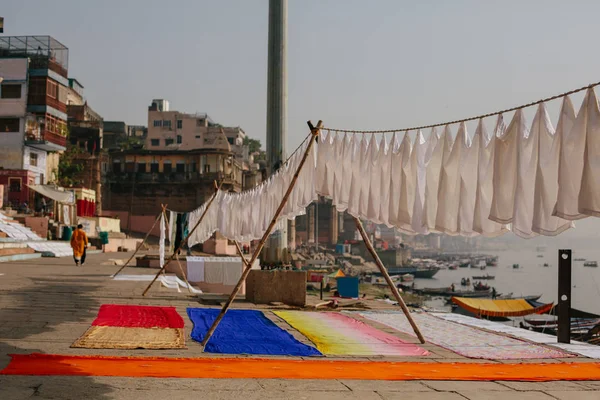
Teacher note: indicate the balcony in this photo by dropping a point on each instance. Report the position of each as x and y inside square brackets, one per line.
[47, 141]
[174, 178]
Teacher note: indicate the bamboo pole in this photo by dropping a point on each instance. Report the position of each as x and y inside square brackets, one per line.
[315, 132]
[185, 240]
[385, 274]
[139, 246]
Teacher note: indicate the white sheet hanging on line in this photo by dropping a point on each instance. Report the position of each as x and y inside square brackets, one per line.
[505, 170]
[171, 235]
[449, 192]
[423, 150]
[468, 184]
[485, 185]
[546, 181]
[527, 161]
[195, 269]
[161, 244]
[432, 179]
[589, 195]
[407, 188]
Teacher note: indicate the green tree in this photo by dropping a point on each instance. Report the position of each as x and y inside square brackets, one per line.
[69, 166]
[254, 145]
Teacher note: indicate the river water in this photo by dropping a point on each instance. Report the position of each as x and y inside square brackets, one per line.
[532, 278]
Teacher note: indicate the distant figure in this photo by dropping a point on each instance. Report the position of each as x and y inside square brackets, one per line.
[452, 287]
[493, 293]
[44, 206]
[79, 242]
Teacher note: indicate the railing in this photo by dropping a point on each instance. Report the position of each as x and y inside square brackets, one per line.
[55, 138]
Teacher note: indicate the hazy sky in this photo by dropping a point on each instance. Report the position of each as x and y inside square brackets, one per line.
[376, 64]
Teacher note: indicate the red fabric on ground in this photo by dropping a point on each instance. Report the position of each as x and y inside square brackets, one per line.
[138, 316]
[277, 368]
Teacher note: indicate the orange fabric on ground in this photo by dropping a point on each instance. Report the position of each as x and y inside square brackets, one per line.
[47, 364]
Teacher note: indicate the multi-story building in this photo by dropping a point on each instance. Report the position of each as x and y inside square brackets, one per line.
[33, 119]
[183, 154]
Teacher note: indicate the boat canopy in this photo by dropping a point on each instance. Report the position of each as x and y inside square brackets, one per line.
[500, 308]
[338, 274]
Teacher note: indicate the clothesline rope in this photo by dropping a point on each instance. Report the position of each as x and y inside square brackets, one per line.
[558, 96]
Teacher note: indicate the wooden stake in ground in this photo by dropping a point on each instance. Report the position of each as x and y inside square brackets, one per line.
[139, 246]
[185, 240]
[385, 274]
[315, 134]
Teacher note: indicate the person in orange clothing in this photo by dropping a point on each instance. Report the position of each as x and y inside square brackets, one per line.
[79, 243]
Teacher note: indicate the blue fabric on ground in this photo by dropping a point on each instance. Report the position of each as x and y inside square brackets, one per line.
[245, 332]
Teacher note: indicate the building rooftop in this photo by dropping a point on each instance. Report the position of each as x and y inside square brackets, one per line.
[35, 47]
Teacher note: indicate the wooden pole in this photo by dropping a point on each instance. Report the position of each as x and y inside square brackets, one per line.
[139, 246]
[185, 240]
[315, 132]
[389, 281]
[564, 296]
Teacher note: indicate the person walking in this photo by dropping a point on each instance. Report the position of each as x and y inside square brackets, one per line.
[79, 243]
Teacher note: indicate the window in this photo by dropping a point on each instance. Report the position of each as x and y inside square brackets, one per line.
[12, 91]
[166, 123]
[33, 159]
[14, 185]
[231, 140]
[9, 124]
[154, 167]
[180, 168]
[179, 139]
[167, 167]
[142, 167]
[169, 142]
[52, 89]
[179, 124]
[129, 166]
[155, 142]
[206, 168]
[197, 136]
[116, 167]
[193, 167]
[157, 123]
[199, 122]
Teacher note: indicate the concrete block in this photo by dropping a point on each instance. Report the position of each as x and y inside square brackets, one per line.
[288, 287]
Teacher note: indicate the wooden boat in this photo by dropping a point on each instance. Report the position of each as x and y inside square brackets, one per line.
[453, 267]
[579, 259]
[491, 261]
[464, 265]
[484, 277]
[407, 278]
[481, 287]
[590, 264]
[445, 292]
[515, 266]
[425, 272]
[540, 256]
[546, 265]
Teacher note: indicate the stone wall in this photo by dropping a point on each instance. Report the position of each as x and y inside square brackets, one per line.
[288, 287]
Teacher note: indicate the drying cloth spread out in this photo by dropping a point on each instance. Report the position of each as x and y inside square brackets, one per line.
[465, 340]
[138, 316]
[337, 334]
[500, 308]
[245, 332]
[255, 368]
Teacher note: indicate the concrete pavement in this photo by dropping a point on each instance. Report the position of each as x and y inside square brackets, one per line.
[46, 304]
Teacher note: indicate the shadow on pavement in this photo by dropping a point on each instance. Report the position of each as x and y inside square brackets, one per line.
[40, 313]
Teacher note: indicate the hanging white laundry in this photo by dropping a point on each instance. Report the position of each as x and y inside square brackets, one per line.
[385, 156]
[589, 196]
[395, 179]
[336, 165]
[358, 148]
[213, 270]
[449, 193]
[407, 188]
[468, 183]
[341, 202]
[232, 272]
[363, 200]
[373, 182]
[172, 221]
[423, 151]
[485, 185]
[432, 177]
[527, 162]
[505, 170]
[546, 181]
[570, 169]
[161, 243]
[324, 158]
